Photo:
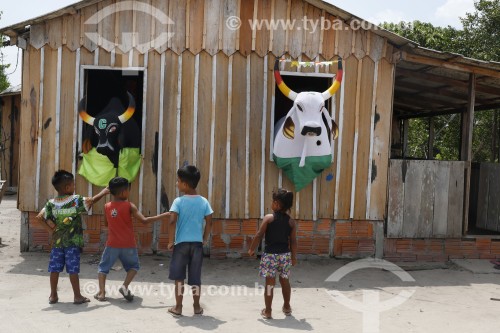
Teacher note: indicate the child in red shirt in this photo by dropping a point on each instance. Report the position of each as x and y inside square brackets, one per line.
[121, 241]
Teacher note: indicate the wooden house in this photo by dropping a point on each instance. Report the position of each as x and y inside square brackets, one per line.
[207, 96]
[10, 109]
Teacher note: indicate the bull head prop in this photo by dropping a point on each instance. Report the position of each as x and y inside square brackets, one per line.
[118, 141]
[303, 138]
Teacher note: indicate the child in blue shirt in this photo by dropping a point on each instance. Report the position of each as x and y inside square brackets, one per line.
[188, 213]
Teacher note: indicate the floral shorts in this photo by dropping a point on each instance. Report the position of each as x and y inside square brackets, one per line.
[272, 263]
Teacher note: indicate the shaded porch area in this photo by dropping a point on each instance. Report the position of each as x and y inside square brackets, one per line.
[444, 165]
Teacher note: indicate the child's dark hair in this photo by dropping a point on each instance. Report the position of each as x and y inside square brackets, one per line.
[61, 178]
[284, 197]
[118, 184]
[190, 175]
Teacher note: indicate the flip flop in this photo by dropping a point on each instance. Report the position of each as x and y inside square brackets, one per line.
[264, 316]
[128, 295]
[84, 300]
[53, 301]
[286, 312]
[100, 299]
[173, 313]
[199, 313]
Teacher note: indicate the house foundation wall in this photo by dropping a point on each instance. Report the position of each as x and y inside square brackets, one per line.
[323, 238]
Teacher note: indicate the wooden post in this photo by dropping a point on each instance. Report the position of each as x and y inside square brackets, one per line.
[466, 151]
[468, 119]
[494, 137]
[25, 233]
[12, 138]
[406, 127]
[430, 154]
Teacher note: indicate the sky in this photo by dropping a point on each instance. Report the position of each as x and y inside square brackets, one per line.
[437, 12]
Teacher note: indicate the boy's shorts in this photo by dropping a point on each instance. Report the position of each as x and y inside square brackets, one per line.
[272, 263]
[128, 257]
[69, 256]
[190, 255]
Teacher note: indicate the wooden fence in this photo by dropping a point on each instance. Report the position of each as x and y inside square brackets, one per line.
[488, 196]
[426, 199]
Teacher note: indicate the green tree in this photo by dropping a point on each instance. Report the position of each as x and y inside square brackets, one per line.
[427, 35]
[480, 39]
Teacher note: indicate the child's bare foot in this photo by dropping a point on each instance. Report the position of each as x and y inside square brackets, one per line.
[126, 293]
[287, 310]
[266, 314]
[80, 300]
[101, 297]
[53, 299]
[175, 312]
[198, 310]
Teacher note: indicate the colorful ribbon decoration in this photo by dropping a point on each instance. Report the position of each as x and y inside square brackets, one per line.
[296, 63]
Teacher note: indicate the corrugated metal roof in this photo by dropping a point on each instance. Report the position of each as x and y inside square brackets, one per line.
[456, 57]
[14, 29]
[14, 90]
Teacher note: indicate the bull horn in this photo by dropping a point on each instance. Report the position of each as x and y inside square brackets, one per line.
[336, 84]
[83, 113]
[130, 110]
[281, 85]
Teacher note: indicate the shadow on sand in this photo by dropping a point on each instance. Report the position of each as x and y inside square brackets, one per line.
[289, 322]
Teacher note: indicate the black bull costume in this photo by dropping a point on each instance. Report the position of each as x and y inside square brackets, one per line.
[117, 140]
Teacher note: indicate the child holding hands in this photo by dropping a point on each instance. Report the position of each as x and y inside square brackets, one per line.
[279, 231]
[67, 233]
[121, 240]
[186, 223]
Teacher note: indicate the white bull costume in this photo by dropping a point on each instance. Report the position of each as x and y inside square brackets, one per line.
[303, 139]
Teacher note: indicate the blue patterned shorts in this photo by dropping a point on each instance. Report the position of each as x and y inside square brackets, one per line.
[69, 256]
[272, 263]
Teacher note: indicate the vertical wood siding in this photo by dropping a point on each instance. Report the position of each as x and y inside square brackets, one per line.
[216, 106]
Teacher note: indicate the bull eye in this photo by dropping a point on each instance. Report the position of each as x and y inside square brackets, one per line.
[300, 108]
[112, 129]
[96, 130]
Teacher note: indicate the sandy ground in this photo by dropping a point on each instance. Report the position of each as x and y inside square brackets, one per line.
[445, 299]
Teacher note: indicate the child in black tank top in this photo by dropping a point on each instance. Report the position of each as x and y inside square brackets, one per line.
[279, 231]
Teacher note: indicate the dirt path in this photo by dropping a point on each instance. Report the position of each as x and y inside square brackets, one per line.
[445, 299]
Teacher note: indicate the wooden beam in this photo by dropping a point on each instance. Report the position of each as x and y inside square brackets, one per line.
[427, 114]
[441, 90]
[427, 99]
[446, 80]
[468, 119]
[430, 155]
[447, 112]
[450, 64]
[494, 137]
[406, 128]
[423, 102]
[466, 149]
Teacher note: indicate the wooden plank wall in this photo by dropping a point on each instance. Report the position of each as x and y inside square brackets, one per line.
[425, 199]
[215, 107]
[488, 201]
[10, 137]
